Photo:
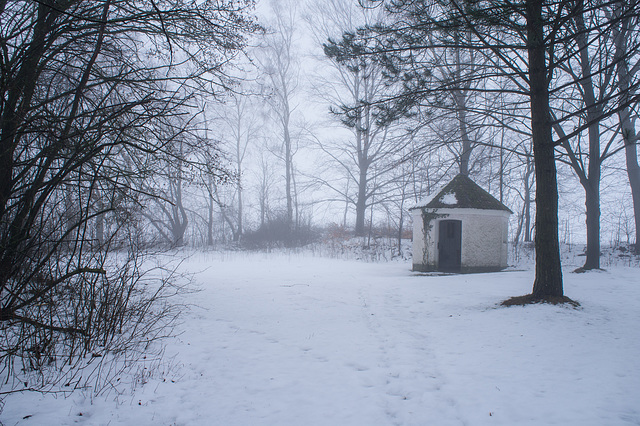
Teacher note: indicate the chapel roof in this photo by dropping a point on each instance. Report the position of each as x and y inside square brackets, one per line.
[462, 193]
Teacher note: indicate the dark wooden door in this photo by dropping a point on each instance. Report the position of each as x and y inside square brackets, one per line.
[449, 245]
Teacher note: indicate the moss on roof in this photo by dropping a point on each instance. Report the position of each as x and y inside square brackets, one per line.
[468, 194]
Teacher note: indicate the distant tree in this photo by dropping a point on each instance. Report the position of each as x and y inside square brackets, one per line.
[361, 164]
[165, 207]
[374, 146]
[524, 229]
[278, 60]
[264, 187]
[237, 123]
[459, 113]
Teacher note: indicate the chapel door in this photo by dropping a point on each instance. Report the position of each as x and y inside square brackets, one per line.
[450, 246]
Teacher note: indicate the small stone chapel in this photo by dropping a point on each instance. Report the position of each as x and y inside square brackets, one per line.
[461, 228]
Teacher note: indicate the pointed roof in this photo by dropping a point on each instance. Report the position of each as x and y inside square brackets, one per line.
[462, 193]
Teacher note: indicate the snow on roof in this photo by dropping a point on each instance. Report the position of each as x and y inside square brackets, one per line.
[449, 199]
[461, 192]
[426, 200]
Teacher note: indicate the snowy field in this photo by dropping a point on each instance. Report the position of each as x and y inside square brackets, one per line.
[302, 340]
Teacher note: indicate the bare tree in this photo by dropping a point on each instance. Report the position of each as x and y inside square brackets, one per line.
[627, 67]
[352, 87]
[590, 50]
[165, 207]
[460, 115]
[278, 61]
[85, 86]
[238, 131]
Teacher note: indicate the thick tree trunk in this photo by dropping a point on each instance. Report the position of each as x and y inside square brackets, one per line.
[548, 280]
[592, 204]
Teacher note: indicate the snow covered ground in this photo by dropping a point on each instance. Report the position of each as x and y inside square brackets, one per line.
[301, 340]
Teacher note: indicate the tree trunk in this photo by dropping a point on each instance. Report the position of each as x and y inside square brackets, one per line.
[238, 234]
[633, 172]
[460, 99]
[346, 206]
[548, 280]
[516, 238]
[181, 220]
[240, 225]
[210, 224]
[361, 202]
[288, 173]
[362, 148]
[100, 222]
[401, 220]
[465, 155]
[501, 172]
[524, 221]
[263, 194]
[592, 204]
[591, 182]
[527, 202]
[239, 158]
[627, 128]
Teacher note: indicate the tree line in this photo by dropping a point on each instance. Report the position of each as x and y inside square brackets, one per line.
[418, 91]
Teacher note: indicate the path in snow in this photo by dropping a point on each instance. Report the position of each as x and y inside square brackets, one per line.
[313, 343]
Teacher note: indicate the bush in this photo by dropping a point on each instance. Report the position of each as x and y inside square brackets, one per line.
[278, 233]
